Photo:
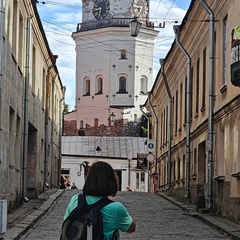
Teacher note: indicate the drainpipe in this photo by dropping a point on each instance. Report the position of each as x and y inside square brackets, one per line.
[2, 14]
[26, 101]
[162, 63]
[176, 29]
[210, 107]
[155, 129]
[141, 106]
[47, 145]
[60, 133]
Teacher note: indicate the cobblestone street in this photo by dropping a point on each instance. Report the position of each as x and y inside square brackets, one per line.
[156, 218]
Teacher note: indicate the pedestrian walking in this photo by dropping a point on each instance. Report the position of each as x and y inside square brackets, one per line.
[101, 182]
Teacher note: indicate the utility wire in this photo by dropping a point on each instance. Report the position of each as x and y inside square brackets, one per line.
[59, 4]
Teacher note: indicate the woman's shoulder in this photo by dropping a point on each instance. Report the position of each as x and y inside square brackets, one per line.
[118, 206]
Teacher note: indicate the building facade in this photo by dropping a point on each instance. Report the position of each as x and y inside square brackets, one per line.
[113, 69]
[198, 140]
[31, 102]
[122, 153]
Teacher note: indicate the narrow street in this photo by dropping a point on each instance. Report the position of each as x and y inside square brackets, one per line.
[156, 218]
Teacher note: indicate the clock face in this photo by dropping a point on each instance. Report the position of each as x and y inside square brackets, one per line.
[140, 8]
[101, 9]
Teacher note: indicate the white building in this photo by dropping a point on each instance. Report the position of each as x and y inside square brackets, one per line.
[113, 69]
[120, 152]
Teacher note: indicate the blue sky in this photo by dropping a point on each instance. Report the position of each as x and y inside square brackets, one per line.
[60, 19]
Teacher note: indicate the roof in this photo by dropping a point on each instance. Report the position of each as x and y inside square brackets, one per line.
[111, 147]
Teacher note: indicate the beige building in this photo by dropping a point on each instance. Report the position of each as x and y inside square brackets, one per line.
[198, 143]
[31, 102]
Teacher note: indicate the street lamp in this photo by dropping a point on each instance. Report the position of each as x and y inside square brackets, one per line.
[135, 26]
[112, 117]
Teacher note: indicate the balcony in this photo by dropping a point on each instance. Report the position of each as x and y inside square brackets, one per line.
[110, 22]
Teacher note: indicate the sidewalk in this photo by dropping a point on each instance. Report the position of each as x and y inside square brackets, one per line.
[26, 216]
[29, 213]
[227, 227]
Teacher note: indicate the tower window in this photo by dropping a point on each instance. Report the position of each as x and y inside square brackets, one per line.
[122, 85]
[123, 54]
[143, 85]
[86, 88]
[99, 86]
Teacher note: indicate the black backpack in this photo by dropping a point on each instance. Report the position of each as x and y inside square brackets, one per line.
[85, 221]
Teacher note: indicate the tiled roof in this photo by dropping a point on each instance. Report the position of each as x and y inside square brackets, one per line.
[112, 147]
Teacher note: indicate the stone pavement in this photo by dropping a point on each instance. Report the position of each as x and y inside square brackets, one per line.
[22, 220]
[230, 228]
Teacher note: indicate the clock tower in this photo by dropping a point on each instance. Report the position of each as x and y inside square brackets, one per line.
[113, 69]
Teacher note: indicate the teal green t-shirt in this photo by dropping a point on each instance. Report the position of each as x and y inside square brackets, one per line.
[115, 215]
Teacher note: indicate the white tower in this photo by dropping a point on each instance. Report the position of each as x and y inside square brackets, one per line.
[113, 69]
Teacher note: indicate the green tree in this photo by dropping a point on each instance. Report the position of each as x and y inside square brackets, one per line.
[66, 108]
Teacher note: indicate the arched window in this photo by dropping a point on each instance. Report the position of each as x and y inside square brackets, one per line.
[87, 88]
[122, 84]
[143, 85]
[99, 88]
[81, 124]
[123, 54]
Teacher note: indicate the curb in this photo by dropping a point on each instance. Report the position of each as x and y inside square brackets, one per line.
[25, 224]
[226, 227]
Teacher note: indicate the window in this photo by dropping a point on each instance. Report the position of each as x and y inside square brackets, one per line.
[20, 41]
[99, 86]
[14, 28]
[181, 106]
[185, 112]
[140, 181]
[166, 128]
[43, 88]
[135, 117]
[204, 79]
[81, 124]
[197, 87]
[122, 85]
[123, 54]
[224, 50]
[191, 94]
[33, 68]
[143, 85]
[86, 87]
[176, 112]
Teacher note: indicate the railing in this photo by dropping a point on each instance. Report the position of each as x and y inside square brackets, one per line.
[110, 22]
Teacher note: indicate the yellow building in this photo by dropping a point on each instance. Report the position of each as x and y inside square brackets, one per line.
[200, 158]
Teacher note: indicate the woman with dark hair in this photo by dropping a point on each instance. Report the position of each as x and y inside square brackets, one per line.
[101, 182]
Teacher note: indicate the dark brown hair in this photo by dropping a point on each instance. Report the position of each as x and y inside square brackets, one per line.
[101, 180]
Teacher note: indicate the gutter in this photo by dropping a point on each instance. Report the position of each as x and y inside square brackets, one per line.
[60, 133]
[26, 101]
[2, 16]
[169, 170]
[210, 107]
[176, 29]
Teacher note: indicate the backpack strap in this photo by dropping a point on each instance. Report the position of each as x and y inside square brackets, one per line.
[81, 200]
[99, 204]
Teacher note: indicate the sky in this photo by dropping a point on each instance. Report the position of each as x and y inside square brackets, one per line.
[60, 20]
